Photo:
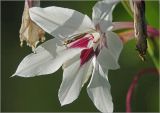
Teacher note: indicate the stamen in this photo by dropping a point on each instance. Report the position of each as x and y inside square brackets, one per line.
[80, 42]
[74, 38]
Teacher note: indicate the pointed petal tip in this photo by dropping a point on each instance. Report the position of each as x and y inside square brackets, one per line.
[115, 68]
[60, 99]
[12, 76]
[22, 75]
[63, 102]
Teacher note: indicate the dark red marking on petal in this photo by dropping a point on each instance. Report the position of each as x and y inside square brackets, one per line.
[86, 55]
[82, 42]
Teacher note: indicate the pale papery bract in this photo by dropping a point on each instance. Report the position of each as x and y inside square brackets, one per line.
[29, 32]
[89, 49]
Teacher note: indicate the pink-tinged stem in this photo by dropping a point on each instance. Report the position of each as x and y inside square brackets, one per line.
[130, 25]
[32, 3]
[123, 25]
[134, 83]
[152, 31]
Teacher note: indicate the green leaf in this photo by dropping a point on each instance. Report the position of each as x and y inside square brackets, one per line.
[153, 52]
[152, 18]
[126, 5]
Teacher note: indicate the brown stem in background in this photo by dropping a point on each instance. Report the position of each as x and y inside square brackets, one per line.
[140, 27]
[134, 83]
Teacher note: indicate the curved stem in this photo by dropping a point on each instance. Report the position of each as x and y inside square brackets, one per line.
[134, 83]
[123, 25]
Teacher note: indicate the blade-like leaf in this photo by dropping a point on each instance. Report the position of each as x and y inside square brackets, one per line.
[126, 5]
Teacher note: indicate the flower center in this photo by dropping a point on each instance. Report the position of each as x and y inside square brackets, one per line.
[92, 44]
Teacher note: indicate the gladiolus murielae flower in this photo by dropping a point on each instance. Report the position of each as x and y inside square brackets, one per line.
[29, 31]
[83, 47]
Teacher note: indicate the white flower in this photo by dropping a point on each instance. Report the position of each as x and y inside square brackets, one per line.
[88, 48]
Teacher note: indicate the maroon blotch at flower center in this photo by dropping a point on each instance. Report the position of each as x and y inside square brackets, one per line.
[82, 41]
[86, 55]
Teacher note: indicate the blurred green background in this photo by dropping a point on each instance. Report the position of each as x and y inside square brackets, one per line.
[41, 93]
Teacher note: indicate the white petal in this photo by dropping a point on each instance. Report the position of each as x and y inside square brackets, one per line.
[107, 60]
[108, 57]
[113, 3]
[61, 22]
[99, 91]
[74, 77]
[76, 58]
[45, 60]
[114, 44]
[105, 26]
[102, 10]
[89, 73]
